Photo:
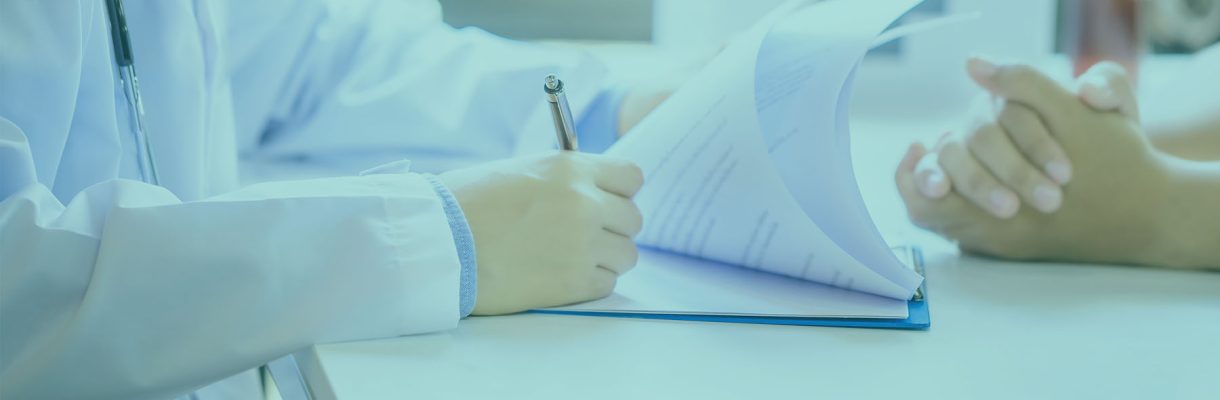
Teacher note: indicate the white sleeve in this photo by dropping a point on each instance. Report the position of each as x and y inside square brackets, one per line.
[377, 80]
[126, 292]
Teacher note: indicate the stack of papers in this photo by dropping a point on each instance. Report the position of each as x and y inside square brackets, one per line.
[750, 196]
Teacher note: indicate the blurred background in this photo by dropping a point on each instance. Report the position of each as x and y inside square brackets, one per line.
[1062, 35]
[1171, 26]
[909, 90]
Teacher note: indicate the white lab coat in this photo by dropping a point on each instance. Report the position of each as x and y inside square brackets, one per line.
[113, 288]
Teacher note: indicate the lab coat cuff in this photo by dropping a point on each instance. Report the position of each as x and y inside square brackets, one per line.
[598, 129]
[464, 241]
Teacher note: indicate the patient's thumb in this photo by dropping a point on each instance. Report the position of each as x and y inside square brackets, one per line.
[1107, 87]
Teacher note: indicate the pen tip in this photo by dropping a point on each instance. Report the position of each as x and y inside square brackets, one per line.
[553, 83]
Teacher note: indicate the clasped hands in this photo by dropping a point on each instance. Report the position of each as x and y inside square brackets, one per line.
[1043, 171]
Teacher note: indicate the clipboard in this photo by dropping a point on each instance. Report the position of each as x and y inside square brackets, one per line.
[918, 315]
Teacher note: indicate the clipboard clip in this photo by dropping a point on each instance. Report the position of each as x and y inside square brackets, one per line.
[912, 257]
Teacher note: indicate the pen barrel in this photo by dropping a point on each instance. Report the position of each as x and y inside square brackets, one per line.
[562, 115]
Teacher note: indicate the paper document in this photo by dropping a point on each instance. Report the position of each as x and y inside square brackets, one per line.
[673, 284]
[749, 163]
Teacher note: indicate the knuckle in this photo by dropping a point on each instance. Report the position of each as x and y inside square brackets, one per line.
[1040, 148]
[956, 161]
[564, 163]
[1016, 115]
[986, 136]
[537, 182]
[636, 221]
[1041, 151]
[581, 206]
[619, 162]
[1022, 127]
[967, 175]
[588, 207]
[633, 256]
[555, 158]
[636, 174]
[975, 183]
[1021, 176]
[627, 169]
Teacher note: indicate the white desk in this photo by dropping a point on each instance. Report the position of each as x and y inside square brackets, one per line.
[999, 330]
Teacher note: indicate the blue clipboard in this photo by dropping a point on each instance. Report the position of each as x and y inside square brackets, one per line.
[918, 317]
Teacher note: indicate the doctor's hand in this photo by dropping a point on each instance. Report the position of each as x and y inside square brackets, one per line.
[1005, 156]
[1113, 209]
[549, 230]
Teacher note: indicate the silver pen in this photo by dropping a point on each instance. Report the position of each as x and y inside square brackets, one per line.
[565, 129]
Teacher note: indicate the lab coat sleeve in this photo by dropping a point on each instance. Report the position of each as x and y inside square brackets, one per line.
[370, 81]
[127, 292]
[463, 238]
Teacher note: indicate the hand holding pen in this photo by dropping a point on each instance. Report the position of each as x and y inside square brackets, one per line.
[549, 229]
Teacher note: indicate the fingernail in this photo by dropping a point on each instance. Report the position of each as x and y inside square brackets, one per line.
[981, 67]
[1047, 198]
[1100, 94]
[1060, 171]
[1107, 92]
[1003, 203]
[933, 183]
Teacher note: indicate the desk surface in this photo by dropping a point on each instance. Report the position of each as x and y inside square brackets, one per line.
[999, 330]
[1082, 332]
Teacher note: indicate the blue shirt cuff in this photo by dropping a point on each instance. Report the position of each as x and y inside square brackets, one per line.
[598, 129]
[464, 241]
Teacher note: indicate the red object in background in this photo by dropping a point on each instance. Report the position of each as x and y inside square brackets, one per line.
[1097, 30]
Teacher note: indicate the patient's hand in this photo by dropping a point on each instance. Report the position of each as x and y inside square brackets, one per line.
[1005, 157]
[1108, 211]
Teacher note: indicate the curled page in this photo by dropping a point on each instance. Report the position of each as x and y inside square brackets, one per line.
[748, 164]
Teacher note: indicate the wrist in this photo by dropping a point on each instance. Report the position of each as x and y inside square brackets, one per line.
[1186, 221]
